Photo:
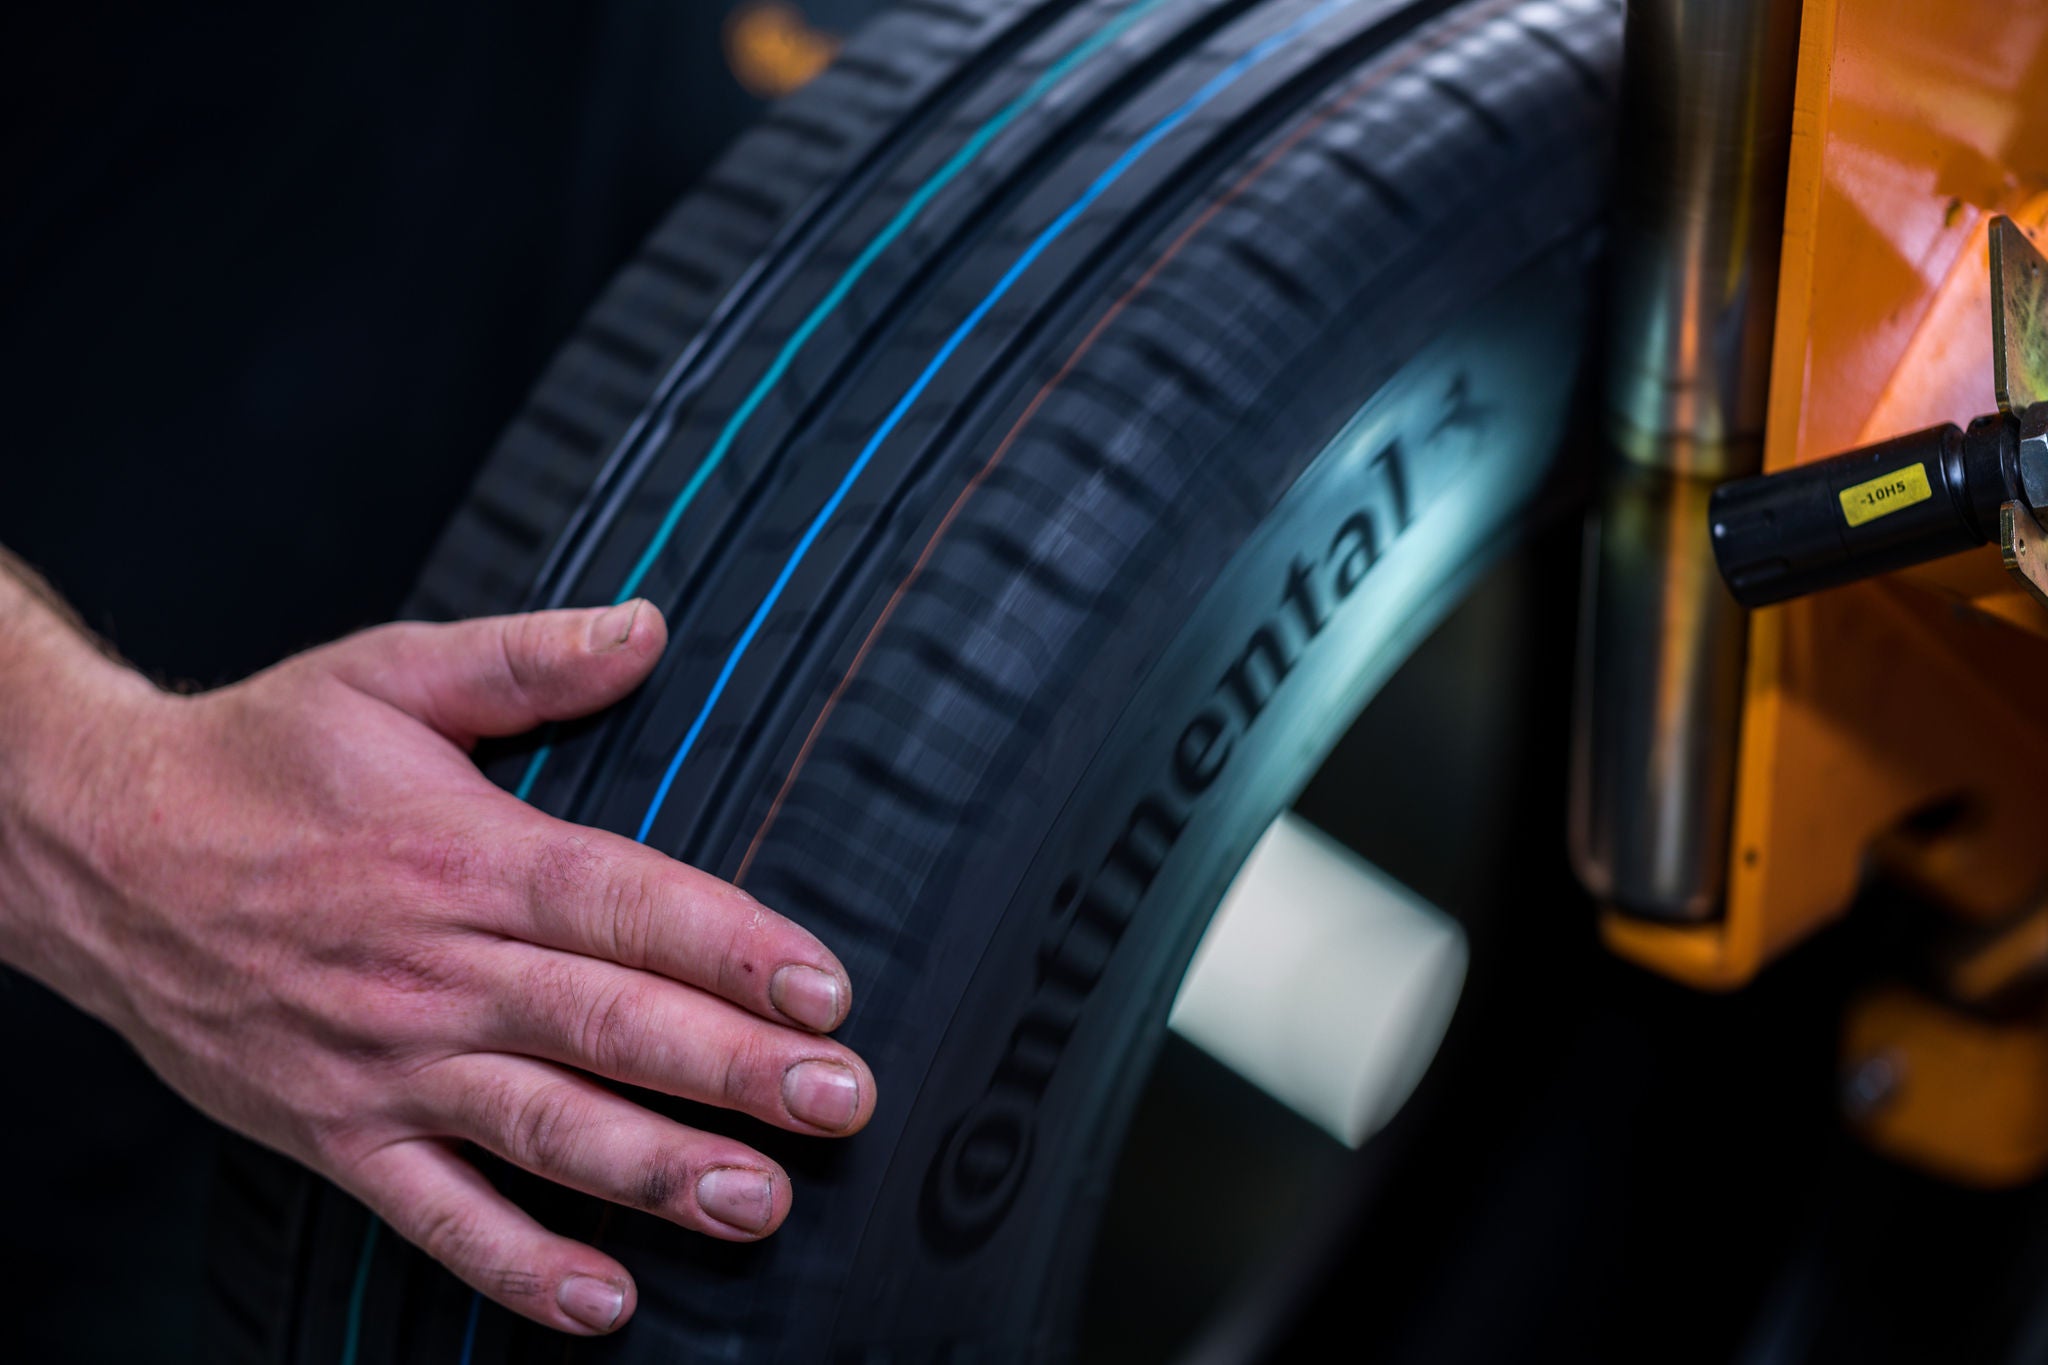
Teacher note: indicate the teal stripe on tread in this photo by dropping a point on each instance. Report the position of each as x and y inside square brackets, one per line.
[904, 217]
[1132, 154]
[944, 176]
[352, 1338]
[893, 229]
[532, 774]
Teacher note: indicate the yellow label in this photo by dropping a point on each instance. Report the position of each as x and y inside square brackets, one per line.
[1885, 494]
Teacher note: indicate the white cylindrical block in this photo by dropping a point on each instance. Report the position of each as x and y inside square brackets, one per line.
[1323, 981]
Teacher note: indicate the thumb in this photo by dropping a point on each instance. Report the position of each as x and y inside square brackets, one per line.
[503, 675]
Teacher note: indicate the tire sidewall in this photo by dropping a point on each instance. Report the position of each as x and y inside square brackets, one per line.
[980, 1229]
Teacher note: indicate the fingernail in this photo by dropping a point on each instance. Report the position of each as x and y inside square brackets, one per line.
[823, 1094]
[807, 995]
[738, 1198]
[614, 627]
[592, 1302]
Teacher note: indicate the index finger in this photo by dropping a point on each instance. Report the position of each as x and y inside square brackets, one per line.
[595, 893]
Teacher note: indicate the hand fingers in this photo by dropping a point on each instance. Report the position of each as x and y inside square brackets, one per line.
[648, 1031]
[443, 1205]
[575, 1132]
[607, 897]
[503, 675]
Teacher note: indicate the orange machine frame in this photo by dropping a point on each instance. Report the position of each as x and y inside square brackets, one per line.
[1917, 695]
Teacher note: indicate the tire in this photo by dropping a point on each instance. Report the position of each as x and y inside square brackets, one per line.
[1017, 585]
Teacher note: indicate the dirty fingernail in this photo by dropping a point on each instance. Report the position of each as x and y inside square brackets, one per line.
[807, 995]
[738, 1198]
[592, 1302]
[614, 627]
[823, 1094]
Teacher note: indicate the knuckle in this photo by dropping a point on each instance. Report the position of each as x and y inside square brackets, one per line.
[336, 1140]
[544, 1128]
[748, 1065]
[512, 1285]
[666, 1179]
[412, 967]
[563, 867]
[451, 1234]
[527, 651]
[452, 861]
[611, 1036]
[632, 908]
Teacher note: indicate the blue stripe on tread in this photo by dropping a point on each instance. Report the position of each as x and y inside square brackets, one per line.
[1215, 86]
[893, 229]
[905, 216]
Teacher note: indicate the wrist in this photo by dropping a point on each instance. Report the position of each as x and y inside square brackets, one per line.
[68, 715]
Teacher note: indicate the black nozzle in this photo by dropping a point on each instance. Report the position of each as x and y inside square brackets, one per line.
[1884, 507]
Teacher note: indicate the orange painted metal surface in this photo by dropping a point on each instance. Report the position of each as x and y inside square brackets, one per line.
[1913, 125]
[1967, 1099]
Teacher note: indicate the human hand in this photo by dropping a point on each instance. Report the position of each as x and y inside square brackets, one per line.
[316, 919]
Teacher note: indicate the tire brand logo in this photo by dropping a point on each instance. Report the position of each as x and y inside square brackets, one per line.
[985, 1156]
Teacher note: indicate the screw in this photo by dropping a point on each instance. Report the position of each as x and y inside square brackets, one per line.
[1871, 1084]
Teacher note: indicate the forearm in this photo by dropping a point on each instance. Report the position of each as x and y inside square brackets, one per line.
[49, 664]
[65, 708]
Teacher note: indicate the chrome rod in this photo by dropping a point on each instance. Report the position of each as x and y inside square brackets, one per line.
[1699, 214]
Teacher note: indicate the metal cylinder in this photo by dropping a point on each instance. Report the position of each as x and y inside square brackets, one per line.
[1699, 209]
[1699, 214]
[1659, 698]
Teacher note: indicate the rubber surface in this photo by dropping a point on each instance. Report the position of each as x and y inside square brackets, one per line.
[1043, 432]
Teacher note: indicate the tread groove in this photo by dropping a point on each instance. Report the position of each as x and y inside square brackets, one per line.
[1282, 281]
[1077, 448]
[870, 69]
[627, 351]
[505, 522]
[1354, 167]
[1015, 555]
[663, 259]
[1588, 78]
[815, 132]
[755, 203]
[939, 9]
[1473, 105]
[564, 429]
[1188, 379]
[938, 658]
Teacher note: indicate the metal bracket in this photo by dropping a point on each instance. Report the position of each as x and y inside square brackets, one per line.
[2025, 548]
[2019, 365]
[2019, 318]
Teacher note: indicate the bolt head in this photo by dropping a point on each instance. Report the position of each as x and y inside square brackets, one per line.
[2034, 456]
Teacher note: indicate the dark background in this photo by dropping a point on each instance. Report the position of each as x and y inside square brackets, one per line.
[272, 278]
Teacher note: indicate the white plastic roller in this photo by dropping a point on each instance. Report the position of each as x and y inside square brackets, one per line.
[1323, 981]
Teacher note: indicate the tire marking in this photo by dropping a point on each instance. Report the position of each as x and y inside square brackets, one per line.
[894, 228]
[1039, 244]
[1194, 229]
[912, 207]
[358, 1291]
[1087, 343]
[961, 159]
[476, 1304]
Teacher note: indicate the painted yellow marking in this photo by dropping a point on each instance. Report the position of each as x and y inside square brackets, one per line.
[1885, 494]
